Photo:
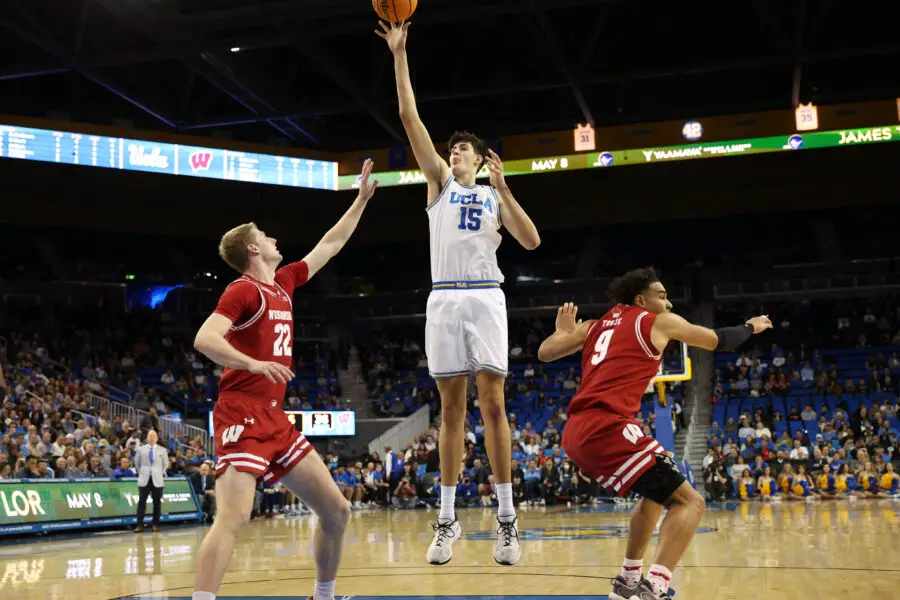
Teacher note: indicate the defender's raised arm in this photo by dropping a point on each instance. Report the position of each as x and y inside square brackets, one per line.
[336, 237]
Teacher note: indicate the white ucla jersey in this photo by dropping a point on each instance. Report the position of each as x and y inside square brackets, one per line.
[465, 233]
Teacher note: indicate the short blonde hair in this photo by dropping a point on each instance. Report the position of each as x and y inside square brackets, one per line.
[233, 247]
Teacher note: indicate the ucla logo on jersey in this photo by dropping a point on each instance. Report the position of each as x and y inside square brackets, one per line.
[472, 200]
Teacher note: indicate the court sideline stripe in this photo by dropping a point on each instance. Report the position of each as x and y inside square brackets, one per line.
[497, 570]
[187, 587]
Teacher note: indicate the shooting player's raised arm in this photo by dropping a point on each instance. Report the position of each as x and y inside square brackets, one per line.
[434, 168]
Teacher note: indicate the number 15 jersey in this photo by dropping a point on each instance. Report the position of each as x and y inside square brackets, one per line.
[262, 328]
[464, 221]
[617, 362]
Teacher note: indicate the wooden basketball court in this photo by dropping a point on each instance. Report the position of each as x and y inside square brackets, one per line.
[824, 551]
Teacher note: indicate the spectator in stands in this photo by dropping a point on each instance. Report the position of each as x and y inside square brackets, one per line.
[44, 472]
[566, 479]
[124, 469]
[799, 451]
[405, 494]
[739, 468]
[532, 480]
[807, 374]
[466, 491]
[5, 470]
[718, 482]
[710, 458]
[818, 461]
[549, 483]
[758, 466]
[518, 488]
[731, 427]
[204, 485]
[74, 468]
[29, 470]
[808, 413]
[95, 468]
[59, 468]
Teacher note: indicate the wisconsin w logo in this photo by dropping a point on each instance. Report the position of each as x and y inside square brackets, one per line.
[200, 160]
[232, 434]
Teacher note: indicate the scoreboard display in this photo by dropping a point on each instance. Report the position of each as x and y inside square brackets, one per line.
[315, 423]
[323, 423]
[70, 148]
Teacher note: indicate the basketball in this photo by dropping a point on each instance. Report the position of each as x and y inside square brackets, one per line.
[395, 11]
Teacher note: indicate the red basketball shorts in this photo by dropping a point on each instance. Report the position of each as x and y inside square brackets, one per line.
[256, 437]
[610, 448]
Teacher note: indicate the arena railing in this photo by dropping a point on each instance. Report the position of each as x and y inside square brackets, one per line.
[168, 427]
[809, 286]
[115, 393]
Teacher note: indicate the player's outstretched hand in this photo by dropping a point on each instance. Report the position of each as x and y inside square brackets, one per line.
[274, 372]
[495, 169]
[760, 323]
[394, 34]
[367, 186]
[565, 317]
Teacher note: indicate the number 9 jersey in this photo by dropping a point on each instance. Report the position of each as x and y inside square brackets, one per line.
[601, 435]
[617, 362]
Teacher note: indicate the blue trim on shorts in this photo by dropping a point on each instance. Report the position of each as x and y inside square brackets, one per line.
[465, 285]
[491, 368]
[477, 367]
[450, 374]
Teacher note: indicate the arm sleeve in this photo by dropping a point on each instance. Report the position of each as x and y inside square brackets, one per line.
[292, 276]
[239, 302]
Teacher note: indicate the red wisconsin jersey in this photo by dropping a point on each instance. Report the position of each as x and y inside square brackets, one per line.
[262, 328]
[617, 362]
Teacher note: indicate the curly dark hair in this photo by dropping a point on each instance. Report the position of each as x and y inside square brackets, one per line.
[478, 144]
[622, 290]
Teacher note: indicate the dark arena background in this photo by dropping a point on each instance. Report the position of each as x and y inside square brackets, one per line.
[747, 151]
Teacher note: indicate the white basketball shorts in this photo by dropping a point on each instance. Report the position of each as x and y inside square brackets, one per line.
[466, 331]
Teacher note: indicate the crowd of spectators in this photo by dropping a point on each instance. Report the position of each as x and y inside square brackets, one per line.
[409, 477]
[814, 421]
[145, 356]
[397, 376]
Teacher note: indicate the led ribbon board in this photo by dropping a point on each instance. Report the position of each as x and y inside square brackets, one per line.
[61, 147]
[68, 148]
[660, 154]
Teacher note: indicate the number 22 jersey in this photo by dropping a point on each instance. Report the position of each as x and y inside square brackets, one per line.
[262, 328]
[617, 362]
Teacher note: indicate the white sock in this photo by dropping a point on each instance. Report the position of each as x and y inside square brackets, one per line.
[448, 503]
[659, 577]
[506, 511]
[632, 571]
[203, 596]
[324, 590]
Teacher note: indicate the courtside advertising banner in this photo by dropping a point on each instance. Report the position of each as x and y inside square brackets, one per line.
[30, 505]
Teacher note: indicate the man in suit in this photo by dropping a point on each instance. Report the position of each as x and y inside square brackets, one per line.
[151, 461]
[204, 485]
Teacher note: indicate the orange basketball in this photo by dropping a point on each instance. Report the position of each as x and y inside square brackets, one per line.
[395, 11]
